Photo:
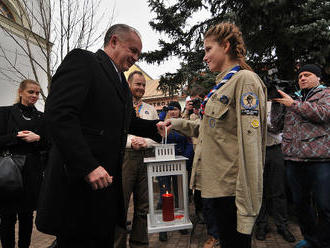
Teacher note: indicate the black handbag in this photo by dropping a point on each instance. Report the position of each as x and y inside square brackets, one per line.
[11, 181]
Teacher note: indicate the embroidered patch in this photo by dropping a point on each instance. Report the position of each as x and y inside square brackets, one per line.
[212, 122]
[255, 123]
[249, 112]
[146, 112]
[249, 100]
[224, 99]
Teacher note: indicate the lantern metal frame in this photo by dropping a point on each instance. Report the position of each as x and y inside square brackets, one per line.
[168, 165]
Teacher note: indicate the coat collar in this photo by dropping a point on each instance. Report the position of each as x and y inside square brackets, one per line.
[311, 92]
[120, 85]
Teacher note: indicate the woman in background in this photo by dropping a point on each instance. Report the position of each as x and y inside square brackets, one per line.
[21, 128]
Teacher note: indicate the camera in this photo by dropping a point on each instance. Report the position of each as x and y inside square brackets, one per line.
[272, 85]
[196, 104]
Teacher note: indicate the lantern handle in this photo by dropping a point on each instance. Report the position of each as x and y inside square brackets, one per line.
[164, 139]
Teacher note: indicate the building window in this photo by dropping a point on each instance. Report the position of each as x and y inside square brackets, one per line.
[5, 11]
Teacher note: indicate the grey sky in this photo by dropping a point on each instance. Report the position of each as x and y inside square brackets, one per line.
[136, 13]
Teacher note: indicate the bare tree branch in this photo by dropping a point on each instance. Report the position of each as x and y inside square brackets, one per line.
[46, 31]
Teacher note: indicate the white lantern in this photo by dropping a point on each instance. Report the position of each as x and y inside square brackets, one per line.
[166, 166]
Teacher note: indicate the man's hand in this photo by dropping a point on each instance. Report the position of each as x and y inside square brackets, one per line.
[99, 178]
[138, 143]
[164, 126]
[28, 136]
[285, 100]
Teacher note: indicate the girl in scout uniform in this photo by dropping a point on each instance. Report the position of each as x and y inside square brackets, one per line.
[232, 133]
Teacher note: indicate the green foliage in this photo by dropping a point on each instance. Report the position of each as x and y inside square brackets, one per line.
[278, 33]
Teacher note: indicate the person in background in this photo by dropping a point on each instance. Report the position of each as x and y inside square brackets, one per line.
[305, 120]
[232, 135]
[183, 147]
[22, 132]
[135, 171]
[193, 103]
[274, 193]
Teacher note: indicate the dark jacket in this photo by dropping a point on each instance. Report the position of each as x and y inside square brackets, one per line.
[89, 113]
[306, 126]
[11, 122]
[183, 146]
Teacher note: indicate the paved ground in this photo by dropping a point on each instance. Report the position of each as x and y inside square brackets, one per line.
[194, 239]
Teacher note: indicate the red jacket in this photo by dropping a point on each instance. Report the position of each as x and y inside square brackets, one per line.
[306, 126]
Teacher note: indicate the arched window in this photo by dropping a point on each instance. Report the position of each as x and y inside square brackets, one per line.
[4, 10]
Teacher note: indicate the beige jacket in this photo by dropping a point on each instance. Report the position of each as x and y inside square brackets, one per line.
[147, 112]
[233, 141]
[196, 171]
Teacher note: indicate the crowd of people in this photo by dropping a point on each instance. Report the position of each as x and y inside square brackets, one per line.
[243, 150]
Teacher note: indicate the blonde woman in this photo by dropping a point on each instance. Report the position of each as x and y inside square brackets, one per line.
[21, 128]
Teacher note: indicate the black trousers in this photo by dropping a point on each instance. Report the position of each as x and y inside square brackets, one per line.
[198, 201]
[274, 200]
[310, 183]
[227, 223]
[7, 229]
[209, 213]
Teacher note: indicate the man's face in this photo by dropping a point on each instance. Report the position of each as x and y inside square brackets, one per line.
[126, 50]
[308, 80]
[138, 85]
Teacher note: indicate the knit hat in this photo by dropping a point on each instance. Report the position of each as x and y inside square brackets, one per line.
[311, 68]
[175, 104]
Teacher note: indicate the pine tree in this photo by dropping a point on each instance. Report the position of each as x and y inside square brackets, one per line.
[277, 33]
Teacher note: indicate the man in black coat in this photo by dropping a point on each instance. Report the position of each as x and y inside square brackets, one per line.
[89, 113]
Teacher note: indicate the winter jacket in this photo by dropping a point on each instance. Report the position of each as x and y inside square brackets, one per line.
[306, 126]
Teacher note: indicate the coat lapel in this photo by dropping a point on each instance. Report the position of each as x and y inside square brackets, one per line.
[121, 86]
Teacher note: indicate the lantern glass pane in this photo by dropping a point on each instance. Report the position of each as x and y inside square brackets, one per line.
[168, 188]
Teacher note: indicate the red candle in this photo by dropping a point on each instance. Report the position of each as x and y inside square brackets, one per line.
[168, 207]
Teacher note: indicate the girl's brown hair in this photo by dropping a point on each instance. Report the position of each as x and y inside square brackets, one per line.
[226, 31]
[22, 86]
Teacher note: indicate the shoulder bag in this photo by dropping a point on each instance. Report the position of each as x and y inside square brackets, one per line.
[11, 181]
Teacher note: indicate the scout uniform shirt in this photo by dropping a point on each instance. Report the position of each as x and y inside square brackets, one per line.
[233, 141]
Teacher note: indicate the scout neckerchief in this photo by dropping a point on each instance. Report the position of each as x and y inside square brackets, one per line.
[138, 107]
[215, 88]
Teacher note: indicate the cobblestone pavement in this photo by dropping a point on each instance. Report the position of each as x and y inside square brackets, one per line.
[194, 239]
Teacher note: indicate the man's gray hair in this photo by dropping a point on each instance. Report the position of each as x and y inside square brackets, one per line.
[120, 30]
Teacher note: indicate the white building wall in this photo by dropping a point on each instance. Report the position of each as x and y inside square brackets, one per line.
[9, 78]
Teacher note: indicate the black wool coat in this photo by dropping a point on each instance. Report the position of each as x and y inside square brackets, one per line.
[88, 113]
[11, 122]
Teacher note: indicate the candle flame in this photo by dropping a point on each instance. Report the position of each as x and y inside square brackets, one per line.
[166, 192]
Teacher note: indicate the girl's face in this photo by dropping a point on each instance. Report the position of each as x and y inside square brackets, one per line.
[174, 113]
[214, 54]
[30, 95]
